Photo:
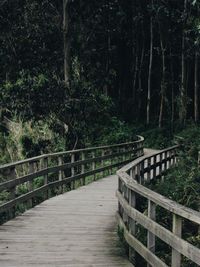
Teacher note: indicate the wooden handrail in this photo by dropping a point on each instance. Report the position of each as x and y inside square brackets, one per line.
[59, 172]
[132, 186]
[69, 152]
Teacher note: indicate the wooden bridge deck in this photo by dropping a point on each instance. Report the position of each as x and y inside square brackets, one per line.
[76, 229]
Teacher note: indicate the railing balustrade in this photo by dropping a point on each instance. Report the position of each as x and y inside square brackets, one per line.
[138, 209]
[26, 183]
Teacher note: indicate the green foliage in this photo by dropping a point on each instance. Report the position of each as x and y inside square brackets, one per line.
[32, 97]
[122, 242]
[190, 138]
[157, 138]
[181, 182]
[115, 131]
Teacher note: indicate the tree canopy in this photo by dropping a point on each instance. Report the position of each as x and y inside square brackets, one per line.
[80, 64]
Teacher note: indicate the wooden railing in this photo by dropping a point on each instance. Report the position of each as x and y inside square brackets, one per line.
[26, 183]
[142, 208]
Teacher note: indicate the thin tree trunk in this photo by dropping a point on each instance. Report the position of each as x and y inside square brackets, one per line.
[183, 107]
[140, 74]
[163, 82]
[66, 40]
[196, 88]
[172, 91]
[150, 69]
[108, 53]
[134, 40]
[135, 75]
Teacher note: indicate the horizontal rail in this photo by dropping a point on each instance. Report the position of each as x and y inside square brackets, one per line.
[29, 177]
[69, 152]
[133, 179]
[60, 172]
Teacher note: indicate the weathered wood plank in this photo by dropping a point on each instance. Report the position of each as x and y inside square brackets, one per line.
[76, 229]
[38, 158]
[140, 248]
[48, 170]
[168, 237]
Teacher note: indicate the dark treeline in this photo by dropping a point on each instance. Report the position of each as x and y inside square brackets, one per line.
[67, 62]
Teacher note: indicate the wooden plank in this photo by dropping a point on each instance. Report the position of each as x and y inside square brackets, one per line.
[46, 187]
[168, 237]
[38, 158]
[168, 204]
[75, 229]
[132, 226]
[150, 235]
[177, 230]
[139, 247]
[48, 170]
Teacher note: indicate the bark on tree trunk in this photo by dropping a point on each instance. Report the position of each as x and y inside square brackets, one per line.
[108, 53]
[140, 78]
[163, 81]
[183, 107]
[66, 40]
[150, 69]
[172, 91]
[196, 88]
[135, 75]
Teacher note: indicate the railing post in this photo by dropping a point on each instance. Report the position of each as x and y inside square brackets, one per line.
[93, 164]
[45, 165]
[72, 170]
[132, 226]
[165, 161]
[111, 161]
[12, 176]
[170, 159]
[102, 161]
[30, 183]
[150, 236]
[177, 230]
[149, 170]
[141, 171]
[162, 155]
[60, 174]
[160, 164]
[154, 166]
[83, 167]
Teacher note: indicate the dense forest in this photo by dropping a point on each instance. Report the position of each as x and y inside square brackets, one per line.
[77, 73]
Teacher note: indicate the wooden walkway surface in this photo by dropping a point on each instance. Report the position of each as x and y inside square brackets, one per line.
[76, 229]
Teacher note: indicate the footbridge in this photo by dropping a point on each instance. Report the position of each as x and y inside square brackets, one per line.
[69, 209]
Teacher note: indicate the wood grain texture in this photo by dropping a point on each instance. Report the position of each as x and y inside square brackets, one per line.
[76, 229]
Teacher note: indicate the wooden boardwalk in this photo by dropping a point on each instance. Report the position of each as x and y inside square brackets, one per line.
[76, 229]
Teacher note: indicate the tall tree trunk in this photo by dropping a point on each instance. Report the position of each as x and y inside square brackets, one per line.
[163, 83]
[66, 40]
[140, 73]
[134, 51]
[135, 73]
[196, 88]
[183, 102]
[108, 51]
[150, 69]
[172, 90]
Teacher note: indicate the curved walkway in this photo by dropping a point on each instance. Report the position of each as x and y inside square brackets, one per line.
[76, 229]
